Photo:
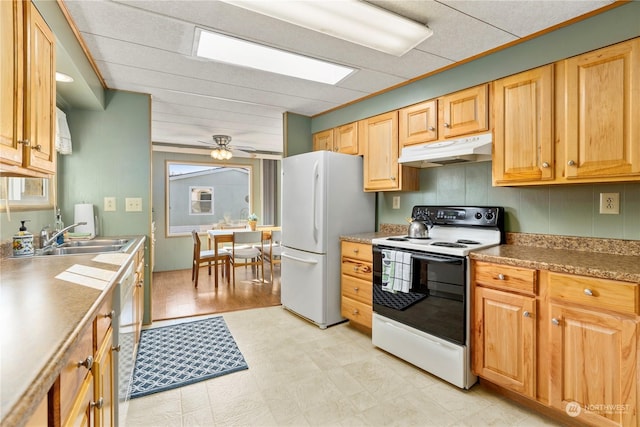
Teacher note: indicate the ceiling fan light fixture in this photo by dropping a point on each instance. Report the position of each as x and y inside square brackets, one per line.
[351, 20]
[222, 151]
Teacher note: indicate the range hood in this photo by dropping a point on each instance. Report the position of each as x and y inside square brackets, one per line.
[475, 148]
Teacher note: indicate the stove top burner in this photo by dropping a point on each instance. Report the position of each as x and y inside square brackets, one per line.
[449, 244]
[467, 242]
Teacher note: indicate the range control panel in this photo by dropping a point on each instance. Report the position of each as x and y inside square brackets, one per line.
[474, 216]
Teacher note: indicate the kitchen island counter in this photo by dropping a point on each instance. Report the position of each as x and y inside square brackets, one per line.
[42, 318]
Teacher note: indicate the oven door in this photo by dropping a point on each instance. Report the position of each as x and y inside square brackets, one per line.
[436, 302]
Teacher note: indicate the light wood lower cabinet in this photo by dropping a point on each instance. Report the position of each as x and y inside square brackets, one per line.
[505, 336]
[568, 342]
[357, 282]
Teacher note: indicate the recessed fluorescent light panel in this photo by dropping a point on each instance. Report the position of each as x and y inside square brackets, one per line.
[64, 78]
[247, 54]
[351, 20]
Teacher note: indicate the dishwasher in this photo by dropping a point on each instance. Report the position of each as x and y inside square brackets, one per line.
[124, 339]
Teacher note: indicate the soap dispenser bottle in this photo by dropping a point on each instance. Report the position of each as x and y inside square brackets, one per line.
[23, 241]
[59, 226]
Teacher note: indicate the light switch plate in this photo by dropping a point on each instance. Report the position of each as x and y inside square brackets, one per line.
[109, 204]
[396, 202]
[133, 204]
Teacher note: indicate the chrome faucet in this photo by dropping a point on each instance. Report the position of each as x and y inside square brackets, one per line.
[49, 242]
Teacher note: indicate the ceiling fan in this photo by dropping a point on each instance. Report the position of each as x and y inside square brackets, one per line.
[222, 150]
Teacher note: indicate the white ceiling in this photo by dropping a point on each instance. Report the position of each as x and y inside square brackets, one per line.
[146, 46]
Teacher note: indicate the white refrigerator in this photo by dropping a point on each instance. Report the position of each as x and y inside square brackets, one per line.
[322, 199]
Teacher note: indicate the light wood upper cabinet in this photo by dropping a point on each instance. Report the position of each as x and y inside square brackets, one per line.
[28, 91]
[323, 140]
[11, 82]
[382, 172]
[464, 112]
[523, 127]
[345, 139]
[599, 111]
[418, 123]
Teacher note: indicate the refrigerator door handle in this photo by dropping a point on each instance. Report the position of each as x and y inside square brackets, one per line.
[295, 258]
[314, 194]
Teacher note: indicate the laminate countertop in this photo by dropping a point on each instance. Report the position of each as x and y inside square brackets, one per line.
[572, 261]
[42, 317]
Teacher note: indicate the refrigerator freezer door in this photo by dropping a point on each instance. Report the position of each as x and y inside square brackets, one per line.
[304, 201]
[305, 293]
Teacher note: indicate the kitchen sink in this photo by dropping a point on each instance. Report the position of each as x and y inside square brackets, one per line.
[88, 247]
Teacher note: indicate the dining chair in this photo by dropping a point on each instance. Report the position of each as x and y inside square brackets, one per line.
[273, 250]
[246, 250]
[211, 256]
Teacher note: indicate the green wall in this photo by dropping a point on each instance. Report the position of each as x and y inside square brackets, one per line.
[297, 134]
[568, 210]
[562, 210]
[111, 158]
[176, 253]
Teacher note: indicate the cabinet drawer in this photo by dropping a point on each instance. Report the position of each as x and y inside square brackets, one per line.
[361, 270]
[505, 277]
[103, 320]
[357, 312]
[73, 374]
[599, 293]
[357, 289]
[360, 251]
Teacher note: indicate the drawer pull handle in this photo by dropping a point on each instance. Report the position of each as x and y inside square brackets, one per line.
[526, 314]
[116, 347]
[87, 363]
[431, 128]
[500, 276]
[356, 250]
[110, 315]
[545, 165]
[571, 163]
[355, 311]
[99, 404]
[555, 321]
[588, 292]
[356, 289]
[355, 268]
[447, 125]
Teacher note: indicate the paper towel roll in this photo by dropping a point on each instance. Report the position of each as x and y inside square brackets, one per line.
[83, 212]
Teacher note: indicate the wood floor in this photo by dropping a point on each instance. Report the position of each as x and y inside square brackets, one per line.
[174, 296]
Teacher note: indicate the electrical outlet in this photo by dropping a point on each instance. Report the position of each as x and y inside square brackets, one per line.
[133, 204]
[396, 202]
[109, 204]
[610, 203]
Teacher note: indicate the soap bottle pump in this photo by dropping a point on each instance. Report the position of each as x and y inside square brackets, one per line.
[59, 226]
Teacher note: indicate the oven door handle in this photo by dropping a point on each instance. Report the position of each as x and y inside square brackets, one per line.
[442, 260]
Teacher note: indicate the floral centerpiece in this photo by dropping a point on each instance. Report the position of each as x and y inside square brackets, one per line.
[252, 220]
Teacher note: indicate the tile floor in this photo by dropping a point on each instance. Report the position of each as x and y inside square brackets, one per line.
[300, 375]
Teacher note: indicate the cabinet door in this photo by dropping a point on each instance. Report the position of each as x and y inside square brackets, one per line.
[503, 328]
[11, 82]
[464, 112]
[40, 119]
[593, 366]
[323, 140]
[346, 139]
[523, 133]
[418, 123]
[602, 109]
[103, 387]
[81, 412]
[381, 168]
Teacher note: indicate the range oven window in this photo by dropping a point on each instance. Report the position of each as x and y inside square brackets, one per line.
[435, 303]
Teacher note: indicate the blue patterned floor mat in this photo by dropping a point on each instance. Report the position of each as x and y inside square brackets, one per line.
[177, 355]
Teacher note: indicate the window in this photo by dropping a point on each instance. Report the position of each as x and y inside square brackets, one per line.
[201, 196]
[201, 200]
[26, 193]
